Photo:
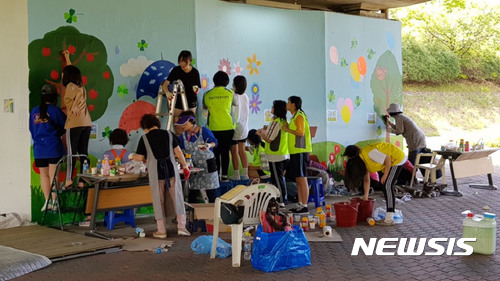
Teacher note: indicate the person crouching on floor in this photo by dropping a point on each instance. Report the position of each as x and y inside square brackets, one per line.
[375, 157]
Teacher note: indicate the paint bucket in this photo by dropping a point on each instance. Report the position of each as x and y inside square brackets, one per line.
[365, 209]
[346, 213]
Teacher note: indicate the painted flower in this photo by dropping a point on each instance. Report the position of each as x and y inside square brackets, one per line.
[225, 66]
[255, 89]
[381, 72]
[142, 45]
[254, 104]
[331, 96]
[237, 68]
[204, 81]
[70, 16]
[337, 149]
[106, 133]
[331, 158]
[122, 90]
[357, 101]
[253, 64]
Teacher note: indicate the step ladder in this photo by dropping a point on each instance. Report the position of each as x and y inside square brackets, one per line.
[178, 91]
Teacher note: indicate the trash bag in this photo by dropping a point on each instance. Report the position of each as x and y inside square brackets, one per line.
[203, 245]
[280, 250]
[231, 214]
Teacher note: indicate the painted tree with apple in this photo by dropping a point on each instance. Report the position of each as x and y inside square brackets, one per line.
[87, 52]
[386, 84]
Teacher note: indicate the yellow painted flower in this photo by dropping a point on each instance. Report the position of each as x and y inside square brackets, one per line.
[252, 65]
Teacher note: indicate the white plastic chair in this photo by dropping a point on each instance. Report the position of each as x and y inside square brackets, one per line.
[430, 168]
[254, 198]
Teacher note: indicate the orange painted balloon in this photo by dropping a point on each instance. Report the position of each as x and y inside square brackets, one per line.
[362, 65]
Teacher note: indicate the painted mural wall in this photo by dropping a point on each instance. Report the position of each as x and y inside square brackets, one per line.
[346, 68]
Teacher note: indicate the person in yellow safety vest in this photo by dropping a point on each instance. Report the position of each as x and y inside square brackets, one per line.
[218, 101]
[376, 157]
[276, 147]
[299, 147]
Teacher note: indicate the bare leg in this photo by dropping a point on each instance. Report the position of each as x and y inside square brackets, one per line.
[243, 155]
[302, 190]
[45, 181]
[52, 171]
[234, 157]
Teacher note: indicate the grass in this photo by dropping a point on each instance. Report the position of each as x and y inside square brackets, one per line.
[462, 105]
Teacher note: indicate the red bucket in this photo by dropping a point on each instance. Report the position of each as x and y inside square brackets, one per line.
[346, 213]
[365, 209]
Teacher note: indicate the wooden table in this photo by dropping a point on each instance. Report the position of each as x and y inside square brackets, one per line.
[468, 164]
[113, 196]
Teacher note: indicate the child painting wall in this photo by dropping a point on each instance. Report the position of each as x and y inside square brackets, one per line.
[345, 68]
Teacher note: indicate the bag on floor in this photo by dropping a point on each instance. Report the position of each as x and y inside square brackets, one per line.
[280, 250]
[203, 245]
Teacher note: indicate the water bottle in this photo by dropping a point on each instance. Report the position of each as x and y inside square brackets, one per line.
[105, 166]
[247, 246]
[85, 167]
[99, 165]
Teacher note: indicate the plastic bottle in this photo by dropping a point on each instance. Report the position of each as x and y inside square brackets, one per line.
[105, 166]
[85, 167]
[99, 165]
[247, 246]
[398, 216]
[483, 228]
[461, 147]
[304, 224]
[370, 221]
[467, 146]
[328, 210]
[118, 162]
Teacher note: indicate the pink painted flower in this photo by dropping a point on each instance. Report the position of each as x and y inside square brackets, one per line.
[225, 66]
[381, 72]
[331, 158]
[237, 68]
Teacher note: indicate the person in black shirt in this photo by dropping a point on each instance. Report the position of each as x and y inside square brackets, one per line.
[159, 147]
[190, 77]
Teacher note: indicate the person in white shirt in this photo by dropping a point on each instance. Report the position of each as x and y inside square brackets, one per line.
[240, 117]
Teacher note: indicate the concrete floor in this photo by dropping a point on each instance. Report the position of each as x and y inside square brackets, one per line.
[423, 218]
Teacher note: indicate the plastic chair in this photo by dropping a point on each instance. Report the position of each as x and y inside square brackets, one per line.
[430, 168]
[318, 193]
[253, 198]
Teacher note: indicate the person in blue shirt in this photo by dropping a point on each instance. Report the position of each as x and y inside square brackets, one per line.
[199, 142]
[118, 139]
[46, 126]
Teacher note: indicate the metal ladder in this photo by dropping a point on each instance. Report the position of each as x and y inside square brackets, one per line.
[178, 90]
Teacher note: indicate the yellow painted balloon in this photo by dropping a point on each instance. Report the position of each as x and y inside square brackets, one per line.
[354, 72]
[346, 114]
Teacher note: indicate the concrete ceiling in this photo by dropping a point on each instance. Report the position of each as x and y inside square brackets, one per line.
[336, 5]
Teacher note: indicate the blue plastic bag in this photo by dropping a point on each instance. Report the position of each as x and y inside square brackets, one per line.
[280, 250]
[203, 245]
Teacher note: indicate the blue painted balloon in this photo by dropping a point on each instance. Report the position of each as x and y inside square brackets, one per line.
[152, 77]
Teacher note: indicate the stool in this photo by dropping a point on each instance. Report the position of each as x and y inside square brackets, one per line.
[111, 218]
[225, 186]
[316, 192]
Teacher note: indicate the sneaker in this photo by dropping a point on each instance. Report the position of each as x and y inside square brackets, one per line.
[84, 224]
[224, 179]
[53, 206]
[300, 210]
[235, 178]
[244, 178]
[384, 222]
[281, 205]
[46, 206]
[183, 232]
[159, 235]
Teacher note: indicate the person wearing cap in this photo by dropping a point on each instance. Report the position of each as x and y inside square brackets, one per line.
[159, 147]
[404, 125]
[46, 126]
[78, 123]
[199, 142]
[218, 102]
[377, 157]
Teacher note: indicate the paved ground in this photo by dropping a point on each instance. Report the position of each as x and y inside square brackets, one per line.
[431, 217]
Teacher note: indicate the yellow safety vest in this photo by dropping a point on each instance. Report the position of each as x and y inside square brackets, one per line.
[219, 101]
[299, 144]
[395, 153]
[279, 146]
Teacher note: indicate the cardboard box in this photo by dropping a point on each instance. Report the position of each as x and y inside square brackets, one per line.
[200, 218]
